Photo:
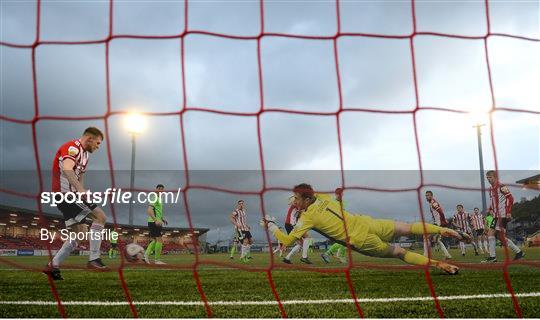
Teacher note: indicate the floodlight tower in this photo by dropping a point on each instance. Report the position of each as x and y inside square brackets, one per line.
[478, 127]
[135, 125]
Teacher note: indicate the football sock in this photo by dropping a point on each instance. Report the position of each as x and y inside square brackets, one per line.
[110, 253]
[158, 248]
[150, 248]
[417, 228]
[492, 244]
[248, 251]
[486, 247]
[243, 251]
[443, 248]
[305, 248]
[417, 259]
[480, 246]
[426, 246]
[462, 247]
[341, 251]
[333, 248]
[512, 246]
[474, 247]
[294, 250]
[233, 250]
[95, 241]
[63, 253]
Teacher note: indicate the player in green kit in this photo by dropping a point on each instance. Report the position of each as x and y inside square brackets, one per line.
[113, 250]
[155, 225]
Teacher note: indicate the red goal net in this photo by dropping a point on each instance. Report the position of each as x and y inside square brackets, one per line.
[185, 108]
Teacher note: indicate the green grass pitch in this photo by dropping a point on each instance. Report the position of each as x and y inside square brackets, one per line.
[300, 289]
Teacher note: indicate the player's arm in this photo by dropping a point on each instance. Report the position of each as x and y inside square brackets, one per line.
[232, 219]
[509, 201]
[285, 239]
[438, 208]
[67, 170]
[302, 226]
[454, 222]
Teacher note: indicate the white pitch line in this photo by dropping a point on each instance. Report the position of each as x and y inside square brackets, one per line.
[273, 302]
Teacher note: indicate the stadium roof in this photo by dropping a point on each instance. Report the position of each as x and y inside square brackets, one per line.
[531, 182]
[24, 217]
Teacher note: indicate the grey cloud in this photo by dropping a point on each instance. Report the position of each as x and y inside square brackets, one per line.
[298, 74]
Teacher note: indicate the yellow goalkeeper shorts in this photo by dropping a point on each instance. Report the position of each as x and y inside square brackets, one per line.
[381, 232]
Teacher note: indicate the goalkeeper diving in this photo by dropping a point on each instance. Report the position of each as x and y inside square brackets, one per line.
[368, 236]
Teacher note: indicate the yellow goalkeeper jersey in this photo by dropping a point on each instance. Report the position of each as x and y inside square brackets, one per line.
[326, 217]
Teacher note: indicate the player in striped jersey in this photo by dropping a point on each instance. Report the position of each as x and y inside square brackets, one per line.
[239, 219]
[501, 204]
[479, 226]
[68, 170]
[365, 235]
[290, 221]
[461, 223]
[438, 218]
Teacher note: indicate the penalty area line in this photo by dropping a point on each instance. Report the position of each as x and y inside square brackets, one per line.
[263, 303]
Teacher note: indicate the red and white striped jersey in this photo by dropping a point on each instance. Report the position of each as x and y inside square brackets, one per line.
[477, 221]
[292, 215]
[240, 217]
[501, 200]
[437, 213]
[461, 221]
[70, 150]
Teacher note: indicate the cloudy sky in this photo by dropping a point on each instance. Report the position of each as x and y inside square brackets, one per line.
[379, 149]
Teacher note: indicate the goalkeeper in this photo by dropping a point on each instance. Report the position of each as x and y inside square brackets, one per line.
[366, 235]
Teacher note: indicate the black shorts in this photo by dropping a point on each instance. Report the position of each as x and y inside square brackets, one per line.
[244, 235]
[479, 232]
[155, 230]
[498, 224]
[237, 236]
[114, 245]
[289, 227]
[75, 212]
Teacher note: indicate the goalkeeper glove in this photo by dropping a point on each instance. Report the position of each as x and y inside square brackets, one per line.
[270, 223]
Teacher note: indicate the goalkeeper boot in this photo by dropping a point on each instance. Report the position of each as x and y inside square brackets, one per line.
[448, 268]
[306, 261]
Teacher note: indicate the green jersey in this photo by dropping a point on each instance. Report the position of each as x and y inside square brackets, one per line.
[158, 210]
[489, 221]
